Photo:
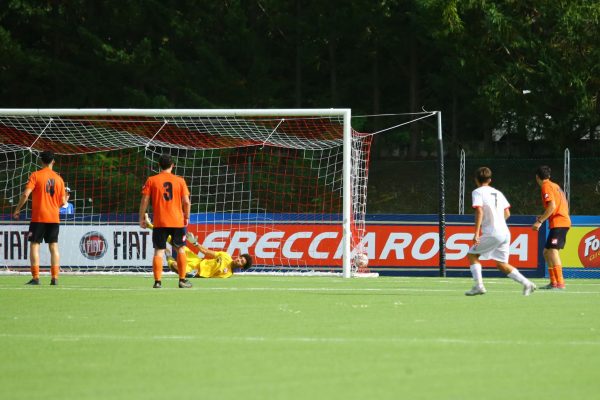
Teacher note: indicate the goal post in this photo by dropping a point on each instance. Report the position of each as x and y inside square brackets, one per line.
[286, 184]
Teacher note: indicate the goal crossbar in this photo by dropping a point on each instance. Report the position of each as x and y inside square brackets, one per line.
[161, 112]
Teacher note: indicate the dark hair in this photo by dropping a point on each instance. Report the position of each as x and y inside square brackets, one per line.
[483, 174]
[165, 161]
[543, 172]
[47, 156]
[248, 258]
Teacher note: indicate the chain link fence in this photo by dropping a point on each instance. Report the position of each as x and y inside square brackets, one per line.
[411, 187]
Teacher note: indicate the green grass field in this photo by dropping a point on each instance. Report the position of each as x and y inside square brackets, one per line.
[249, 337]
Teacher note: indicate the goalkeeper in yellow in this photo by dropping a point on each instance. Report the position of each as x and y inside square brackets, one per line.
[214, 264]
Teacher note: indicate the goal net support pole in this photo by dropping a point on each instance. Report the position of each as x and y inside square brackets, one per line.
[442, 194]
[347, 197]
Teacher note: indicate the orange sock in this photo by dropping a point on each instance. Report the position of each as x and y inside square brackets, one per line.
[157, 267]
[552, 273]
[54, 271]
[181, 264]
[559, 275]
[35, 271]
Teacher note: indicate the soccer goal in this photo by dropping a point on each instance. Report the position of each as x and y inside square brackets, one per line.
[287, 186]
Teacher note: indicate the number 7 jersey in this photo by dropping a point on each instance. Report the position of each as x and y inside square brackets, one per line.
[493, 203]
[166, 191]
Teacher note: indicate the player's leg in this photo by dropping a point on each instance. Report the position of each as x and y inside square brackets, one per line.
[475, 268]
[159, 241]
[35, 238]
[486, 245]
[51, 237]
[561, 240]
[514, 274]
[178, 243]
[554, 258]
[192, 261]
[551, 273]
[54, 263]
[157, 267]
[501, 254]
[34, 256]
[557, 238]
[193, 264]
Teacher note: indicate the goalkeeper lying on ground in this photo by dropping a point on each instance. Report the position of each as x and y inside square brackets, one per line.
[215, 264]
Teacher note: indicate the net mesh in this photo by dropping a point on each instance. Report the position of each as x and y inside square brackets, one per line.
[269, 186]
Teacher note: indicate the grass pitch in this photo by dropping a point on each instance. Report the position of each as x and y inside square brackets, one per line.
[114, 337]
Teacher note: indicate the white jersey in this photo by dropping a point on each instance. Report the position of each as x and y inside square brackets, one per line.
[493, 203]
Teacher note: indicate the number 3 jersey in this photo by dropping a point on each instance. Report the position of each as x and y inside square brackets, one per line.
[166, 191]
[493, 203]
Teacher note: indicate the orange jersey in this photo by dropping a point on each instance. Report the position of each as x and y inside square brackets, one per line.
[48, 194]
[552, 192]
[166, 192]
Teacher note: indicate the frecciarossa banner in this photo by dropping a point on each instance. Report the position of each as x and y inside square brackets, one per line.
[385, 245]
[389, 245]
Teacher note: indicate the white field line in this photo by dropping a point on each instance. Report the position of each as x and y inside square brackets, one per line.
[284, 289]
[298, 339]
[231, 289]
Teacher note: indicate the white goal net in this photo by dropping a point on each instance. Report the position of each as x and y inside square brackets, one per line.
[286, 186]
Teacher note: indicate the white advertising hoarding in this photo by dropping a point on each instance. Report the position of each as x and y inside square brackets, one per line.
[82, 245]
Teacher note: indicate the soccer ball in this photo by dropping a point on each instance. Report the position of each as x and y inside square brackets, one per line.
[361, 260]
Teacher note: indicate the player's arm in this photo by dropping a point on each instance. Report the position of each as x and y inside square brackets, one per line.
[506, 213]
[64, 198]
[478, 221]
[550, 207]
[187, 209]
[207, 252]
[143, 207]
[22, 201]
[194, 240]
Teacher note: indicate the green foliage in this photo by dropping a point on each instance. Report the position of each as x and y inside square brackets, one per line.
[471, 59]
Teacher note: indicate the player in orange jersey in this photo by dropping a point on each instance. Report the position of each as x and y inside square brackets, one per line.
[48, 190]
[557, 213]
[170, 199]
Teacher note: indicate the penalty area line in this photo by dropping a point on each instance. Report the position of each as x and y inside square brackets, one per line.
[197, 289]
[297, 339]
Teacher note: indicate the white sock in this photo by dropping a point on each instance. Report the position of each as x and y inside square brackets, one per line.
[476, 272]
[516, 276]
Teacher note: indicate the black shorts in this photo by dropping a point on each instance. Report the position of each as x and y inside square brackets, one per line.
[39, 231]
[160, 235]
[557, 238]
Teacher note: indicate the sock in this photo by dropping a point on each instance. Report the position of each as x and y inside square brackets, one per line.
[559, 275]
[552, 273]
[54, 271]
[181, 264]
[476, 272]
[157, 267]
[516, 276]
[35, 271]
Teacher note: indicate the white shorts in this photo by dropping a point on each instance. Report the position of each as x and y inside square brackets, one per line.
[492, 247]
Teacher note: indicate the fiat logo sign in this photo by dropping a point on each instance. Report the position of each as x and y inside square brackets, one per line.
[93, 245]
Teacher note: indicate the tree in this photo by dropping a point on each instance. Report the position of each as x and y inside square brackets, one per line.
[534, 64]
